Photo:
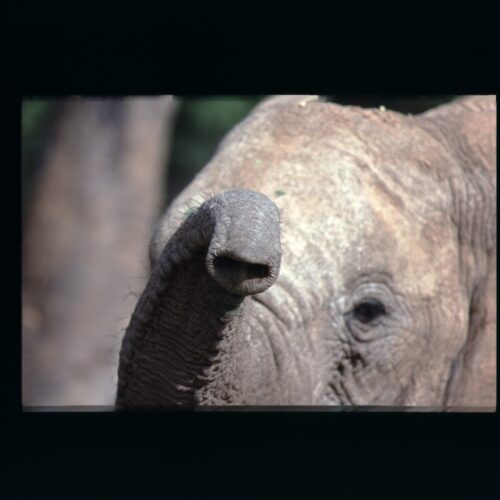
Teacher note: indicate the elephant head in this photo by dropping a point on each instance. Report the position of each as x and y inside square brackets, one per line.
[326, 255]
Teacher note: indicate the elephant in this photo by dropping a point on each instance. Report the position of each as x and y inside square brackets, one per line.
[326, 255]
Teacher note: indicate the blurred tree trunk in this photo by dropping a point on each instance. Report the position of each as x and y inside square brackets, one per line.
[85, 243]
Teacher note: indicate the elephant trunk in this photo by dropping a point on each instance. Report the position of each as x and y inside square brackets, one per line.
[244, 252]
[188, 313]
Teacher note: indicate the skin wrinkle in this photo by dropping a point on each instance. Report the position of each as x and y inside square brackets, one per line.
[267, 304]
[187, 356]
[278, 336]
[297, 301]
[282, 290]
[358, 378]
[145, 373]
[428, 326]
[347, 394]
[471, 238]
[395, 367]
[282, 346]
[276, 363]
[458, 368]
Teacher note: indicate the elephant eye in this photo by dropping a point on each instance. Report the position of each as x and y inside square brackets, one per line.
[368, 310]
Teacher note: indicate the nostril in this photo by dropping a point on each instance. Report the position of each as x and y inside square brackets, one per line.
[243, 270]
[257, 271]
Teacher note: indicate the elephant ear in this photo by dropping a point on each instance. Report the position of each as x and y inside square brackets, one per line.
[468, 125]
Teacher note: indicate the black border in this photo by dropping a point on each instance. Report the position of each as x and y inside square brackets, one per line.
[324, 54]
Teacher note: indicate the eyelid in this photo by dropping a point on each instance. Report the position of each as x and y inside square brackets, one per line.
[364, 300]
[378, 292]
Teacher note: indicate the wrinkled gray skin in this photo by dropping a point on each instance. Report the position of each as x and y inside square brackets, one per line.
[327, 255]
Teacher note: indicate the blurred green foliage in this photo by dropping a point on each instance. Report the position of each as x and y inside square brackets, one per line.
[34, 112]
[35, 117]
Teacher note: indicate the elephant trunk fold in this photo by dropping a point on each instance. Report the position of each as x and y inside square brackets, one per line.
[190, 310]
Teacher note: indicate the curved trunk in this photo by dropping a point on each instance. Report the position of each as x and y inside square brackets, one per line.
[185, 325]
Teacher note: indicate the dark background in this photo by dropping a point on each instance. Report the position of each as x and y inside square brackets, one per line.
[415, 49]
